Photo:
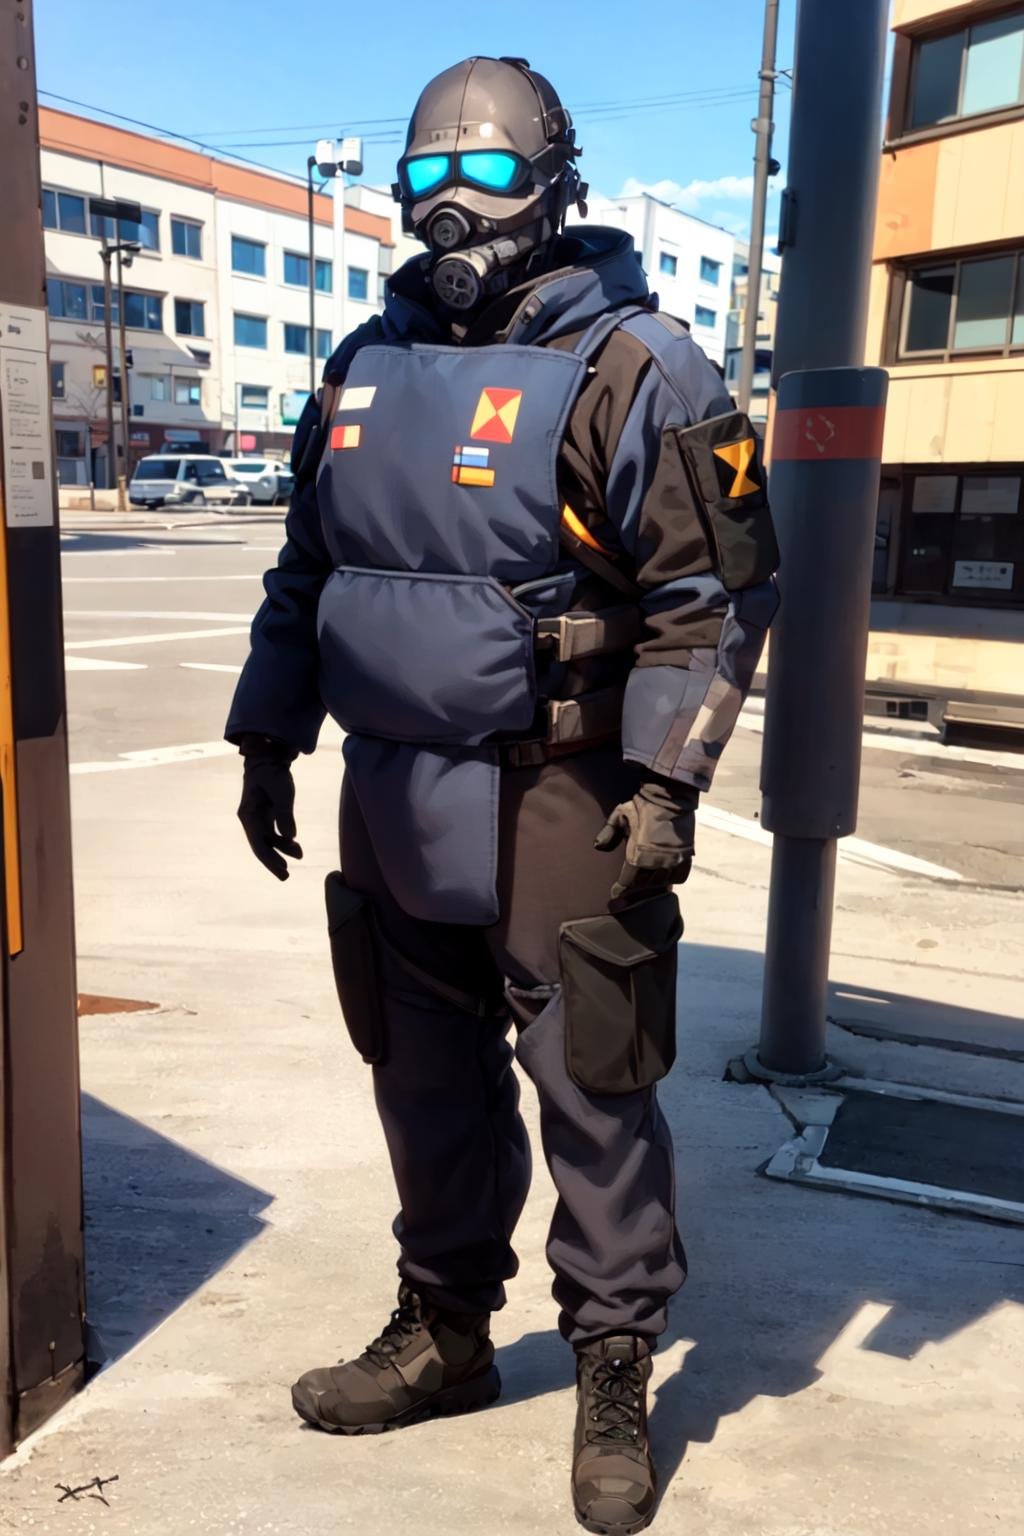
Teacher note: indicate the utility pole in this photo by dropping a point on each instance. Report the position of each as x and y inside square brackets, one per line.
[825, 453]
[764, 167]
[122, 479]
[42, 1351]
[118, 210]
[109, 346]
[310, 208]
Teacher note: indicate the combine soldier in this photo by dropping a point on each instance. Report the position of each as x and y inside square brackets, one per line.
[528, 569]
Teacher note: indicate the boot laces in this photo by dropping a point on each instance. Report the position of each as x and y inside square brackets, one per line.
[615, 1401]
[405, 1323]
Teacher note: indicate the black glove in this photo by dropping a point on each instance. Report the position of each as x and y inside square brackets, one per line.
[267, 808]
[658, 826]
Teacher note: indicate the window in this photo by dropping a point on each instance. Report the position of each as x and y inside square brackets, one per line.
[254, 397]
[146, 233]
[248, 256]
[66, 301]
[710, 271]
[975, 304]
[188, 392]
[668, 263]
[358, 283]
[960, 74]
[69, 443]
[251, 331]
[158, 386]
[58, 382]
[296, 339]
[702, 316]
[964, 536]
[188, 318]
[323, 276]
[187, 238]
[296, 272]
[64, 211]
[143, 311]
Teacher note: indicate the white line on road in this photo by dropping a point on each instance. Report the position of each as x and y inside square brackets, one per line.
[115, 554]
[909, 746]
[105, 580]
[208, 666]
[855, 850]
[160, 613]
[156, 756]
[96, 664]
[183, 634]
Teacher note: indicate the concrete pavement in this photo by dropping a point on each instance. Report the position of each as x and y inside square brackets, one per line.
[836, 1367]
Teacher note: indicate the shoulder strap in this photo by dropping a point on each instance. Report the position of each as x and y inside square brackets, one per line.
[599, 330]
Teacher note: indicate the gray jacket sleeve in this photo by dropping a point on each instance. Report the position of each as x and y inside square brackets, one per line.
[686, 494]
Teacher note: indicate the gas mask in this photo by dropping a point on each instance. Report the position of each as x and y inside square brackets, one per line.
[487, 176]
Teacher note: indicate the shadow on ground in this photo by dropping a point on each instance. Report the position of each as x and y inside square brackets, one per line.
[97, 543]
[158, 1222]
[780, 1273]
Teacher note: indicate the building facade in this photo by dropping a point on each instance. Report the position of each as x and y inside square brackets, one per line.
[688, 262]
[216, 299]
[764, 339]
[947, 321]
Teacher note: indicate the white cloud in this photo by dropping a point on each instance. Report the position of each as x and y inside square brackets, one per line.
[695, 193]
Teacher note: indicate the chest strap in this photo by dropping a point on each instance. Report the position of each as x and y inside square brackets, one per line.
[588, 720]
[574, 636]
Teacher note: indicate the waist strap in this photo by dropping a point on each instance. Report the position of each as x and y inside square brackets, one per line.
[573, 636]
[573, 725]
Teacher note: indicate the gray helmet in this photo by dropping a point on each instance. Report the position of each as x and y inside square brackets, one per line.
[487, 176]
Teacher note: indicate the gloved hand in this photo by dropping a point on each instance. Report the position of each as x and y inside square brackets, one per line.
[266, 810]
[658, 827]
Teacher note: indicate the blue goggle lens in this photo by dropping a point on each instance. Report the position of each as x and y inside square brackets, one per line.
[489, 168]
[426, 172]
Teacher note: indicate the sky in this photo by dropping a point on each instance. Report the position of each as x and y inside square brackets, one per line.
[662, 95]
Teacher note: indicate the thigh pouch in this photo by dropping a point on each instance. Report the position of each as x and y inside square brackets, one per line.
[619, 991]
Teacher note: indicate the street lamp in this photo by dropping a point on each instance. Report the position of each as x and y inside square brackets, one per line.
[330, 164]
[118, 211]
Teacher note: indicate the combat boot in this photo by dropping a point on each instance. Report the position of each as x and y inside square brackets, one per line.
[613, 1485]
[424, 1362]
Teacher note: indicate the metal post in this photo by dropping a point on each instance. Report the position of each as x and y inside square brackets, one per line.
[42, 1351]
[108, 337]
[122, 479]
[764, 127]
[312, 276]
[825, 453]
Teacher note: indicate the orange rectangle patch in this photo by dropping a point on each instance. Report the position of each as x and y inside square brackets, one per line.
[469, 474]
[347, 436]
[827, 432]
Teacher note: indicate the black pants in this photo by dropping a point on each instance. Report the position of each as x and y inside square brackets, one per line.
[448, 1098]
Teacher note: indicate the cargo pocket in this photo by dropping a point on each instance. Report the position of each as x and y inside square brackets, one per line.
[356, 962]
[619, 992]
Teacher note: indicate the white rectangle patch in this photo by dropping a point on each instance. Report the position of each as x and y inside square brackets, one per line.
[357, 397]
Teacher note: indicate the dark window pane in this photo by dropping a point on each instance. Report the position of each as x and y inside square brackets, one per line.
[709, 270]
[936, 87]
[324, 344]
[296, 339]
[990, 496]
[69, 444]
[703, 316]
[250, 331]
[995, 52]
[928, 552]
[157, 469]
[66, 301]
[188, 318]
[71, 213]
[983, 303]
[148, 231]
[248, 256]
[58, 389]
[254, 397]
[1017, 333]
[358, 283]
[186, 239]
[325, 276]
[296, 268]
[929, 294]
[49, 209]
[102, 227]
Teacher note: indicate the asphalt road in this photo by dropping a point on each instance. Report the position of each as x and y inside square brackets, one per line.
[156, 626]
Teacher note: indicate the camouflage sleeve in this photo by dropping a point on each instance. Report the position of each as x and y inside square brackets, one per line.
[686, 492]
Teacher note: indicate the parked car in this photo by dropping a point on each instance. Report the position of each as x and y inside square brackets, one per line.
[268, 480]
[185, 479]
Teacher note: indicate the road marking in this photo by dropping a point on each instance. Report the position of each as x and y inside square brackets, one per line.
[115, 554]
[154, 757]
[106, 580]
[140, 613]
[208, 666]
[182, 634]
[97, 664]
[909, 746]
[854, 850]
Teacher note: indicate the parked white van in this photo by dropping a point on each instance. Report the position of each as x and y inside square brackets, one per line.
[184, 479]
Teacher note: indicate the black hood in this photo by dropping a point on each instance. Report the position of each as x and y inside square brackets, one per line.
[590, 270]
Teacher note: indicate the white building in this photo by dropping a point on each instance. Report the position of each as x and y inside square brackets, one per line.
[216, 304]
[688, 261]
